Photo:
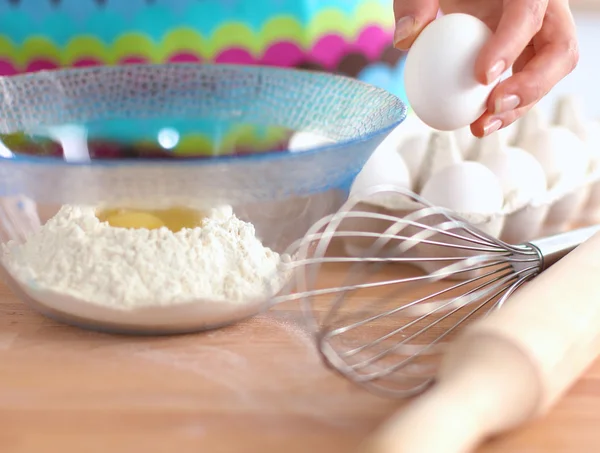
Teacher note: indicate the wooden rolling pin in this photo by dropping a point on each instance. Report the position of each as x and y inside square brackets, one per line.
[510, 367]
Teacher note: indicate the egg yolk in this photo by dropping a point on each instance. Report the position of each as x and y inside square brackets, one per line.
[175, 219]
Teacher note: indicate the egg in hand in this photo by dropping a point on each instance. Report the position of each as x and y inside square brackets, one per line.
[439, 72]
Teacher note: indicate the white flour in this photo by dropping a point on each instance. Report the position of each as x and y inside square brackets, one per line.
[77, 255]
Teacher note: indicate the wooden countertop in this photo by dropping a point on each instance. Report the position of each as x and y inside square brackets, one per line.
[256, 387]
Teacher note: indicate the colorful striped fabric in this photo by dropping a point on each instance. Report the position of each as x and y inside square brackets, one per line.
[352, 37]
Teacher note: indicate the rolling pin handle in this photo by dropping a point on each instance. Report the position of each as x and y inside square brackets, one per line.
[475, 398]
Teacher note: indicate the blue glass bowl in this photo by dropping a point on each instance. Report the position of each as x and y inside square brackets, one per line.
[55, 127]
[212, 97]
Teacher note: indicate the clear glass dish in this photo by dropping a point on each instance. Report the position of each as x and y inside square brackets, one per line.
[158, 138]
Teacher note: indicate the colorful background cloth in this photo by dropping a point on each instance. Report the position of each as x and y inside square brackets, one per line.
[351, 37]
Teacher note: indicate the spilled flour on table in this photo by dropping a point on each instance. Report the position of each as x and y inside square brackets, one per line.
[267, 365]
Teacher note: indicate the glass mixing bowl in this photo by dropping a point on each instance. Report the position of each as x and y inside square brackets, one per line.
[154, 139]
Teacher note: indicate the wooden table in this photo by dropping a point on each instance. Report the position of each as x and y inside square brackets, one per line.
[257, 387]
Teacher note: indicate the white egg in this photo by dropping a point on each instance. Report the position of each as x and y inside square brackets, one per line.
[563, 155]
[439, 72]
[303, 141]
[521, 176]
[466, 188]
[384, 167]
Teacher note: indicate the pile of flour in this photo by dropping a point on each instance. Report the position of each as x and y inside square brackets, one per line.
[76, 254]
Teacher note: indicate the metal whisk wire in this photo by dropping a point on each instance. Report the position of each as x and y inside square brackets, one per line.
[399, 358]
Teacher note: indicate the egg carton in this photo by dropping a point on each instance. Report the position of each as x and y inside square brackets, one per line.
[535, 178]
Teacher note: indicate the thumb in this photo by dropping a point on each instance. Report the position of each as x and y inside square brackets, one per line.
[411, 17]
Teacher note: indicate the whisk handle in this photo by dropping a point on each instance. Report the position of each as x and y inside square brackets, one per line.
[554, 248]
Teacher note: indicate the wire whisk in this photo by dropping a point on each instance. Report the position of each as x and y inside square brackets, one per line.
[408, 285]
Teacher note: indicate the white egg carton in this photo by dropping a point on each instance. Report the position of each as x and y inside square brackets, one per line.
[532, 179]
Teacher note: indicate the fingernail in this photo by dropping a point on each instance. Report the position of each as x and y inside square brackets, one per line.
[404, 29]
[495, 71]
[506, 103]
[492, 126]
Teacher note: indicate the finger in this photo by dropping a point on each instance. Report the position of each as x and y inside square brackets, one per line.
[535, 80]
[499, 102]
[526, 87]
[523, 59]
[411, 17]
[520, 21]
[556, 58]
[489, 123]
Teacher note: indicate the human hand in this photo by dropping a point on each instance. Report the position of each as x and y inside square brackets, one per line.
[536, 37]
